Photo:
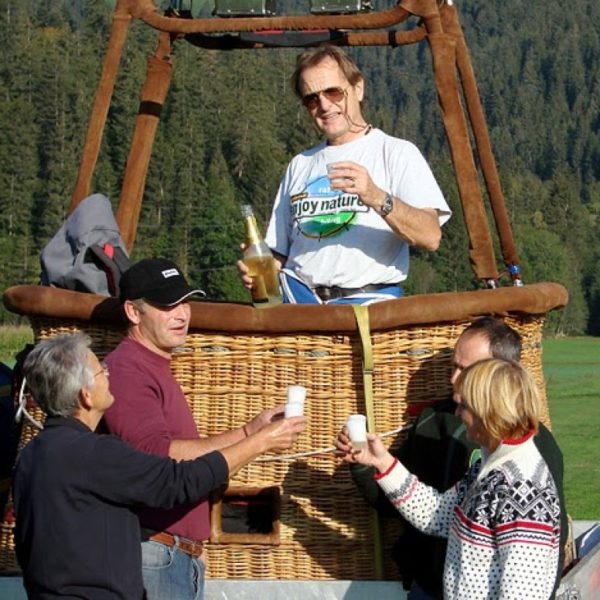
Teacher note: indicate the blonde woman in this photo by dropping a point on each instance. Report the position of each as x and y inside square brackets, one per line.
[502, 518]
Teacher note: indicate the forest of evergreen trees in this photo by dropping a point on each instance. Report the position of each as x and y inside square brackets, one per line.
[231, 124]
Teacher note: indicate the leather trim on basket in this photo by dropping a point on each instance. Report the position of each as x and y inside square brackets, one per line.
[534, 299]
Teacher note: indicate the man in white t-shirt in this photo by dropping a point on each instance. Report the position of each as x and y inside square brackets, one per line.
[348, 209]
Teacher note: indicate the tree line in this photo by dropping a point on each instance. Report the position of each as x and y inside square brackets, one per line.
[231, 124]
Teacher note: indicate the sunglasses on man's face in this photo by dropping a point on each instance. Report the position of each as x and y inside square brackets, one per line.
[332, 94]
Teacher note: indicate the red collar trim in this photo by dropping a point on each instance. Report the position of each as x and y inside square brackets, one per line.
[521, 440]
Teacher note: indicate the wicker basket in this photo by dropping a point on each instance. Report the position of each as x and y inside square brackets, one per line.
[325, 529]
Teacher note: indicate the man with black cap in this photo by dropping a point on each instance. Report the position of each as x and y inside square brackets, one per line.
[151, 413]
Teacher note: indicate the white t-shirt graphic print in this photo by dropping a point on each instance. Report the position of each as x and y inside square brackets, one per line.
[332, 238]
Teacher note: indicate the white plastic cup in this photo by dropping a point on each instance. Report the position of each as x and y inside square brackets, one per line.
[357, 430]
[338, 180]
[294, 409]
[296, 393]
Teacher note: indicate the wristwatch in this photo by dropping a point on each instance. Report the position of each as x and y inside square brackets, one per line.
[387, 206]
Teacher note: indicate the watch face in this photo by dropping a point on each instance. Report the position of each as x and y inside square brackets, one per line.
[388, 204]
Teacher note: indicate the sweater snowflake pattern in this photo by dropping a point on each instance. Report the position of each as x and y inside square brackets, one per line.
[502, 521]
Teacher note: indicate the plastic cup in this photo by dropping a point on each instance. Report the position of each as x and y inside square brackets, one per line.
[330, 168]
[296, 393]
[357, 430]
[294, 409]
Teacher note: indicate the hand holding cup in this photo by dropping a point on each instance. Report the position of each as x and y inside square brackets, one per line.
[357, 446]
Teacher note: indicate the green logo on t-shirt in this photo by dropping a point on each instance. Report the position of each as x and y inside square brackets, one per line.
[321, 212]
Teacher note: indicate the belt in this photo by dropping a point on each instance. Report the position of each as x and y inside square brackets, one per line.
[330, 293]
[188, 546]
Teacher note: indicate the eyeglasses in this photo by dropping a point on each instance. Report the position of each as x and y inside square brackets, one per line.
[333, 94]
[104, 370]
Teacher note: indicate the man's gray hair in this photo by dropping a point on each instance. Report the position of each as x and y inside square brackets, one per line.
[56, 370]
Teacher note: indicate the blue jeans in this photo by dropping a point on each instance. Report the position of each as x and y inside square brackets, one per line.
[418, 593]
[169, 573]
[295, 291]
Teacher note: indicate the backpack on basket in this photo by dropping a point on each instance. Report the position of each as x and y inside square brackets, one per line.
[87, 254]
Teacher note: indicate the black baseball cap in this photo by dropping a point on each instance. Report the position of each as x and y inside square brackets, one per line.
[158, 280]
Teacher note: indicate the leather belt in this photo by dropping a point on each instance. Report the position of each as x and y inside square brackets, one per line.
[188, 546]
[330, 293]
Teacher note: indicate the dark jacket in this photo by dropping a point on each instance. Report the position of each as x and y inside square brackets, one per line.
[76, 535]
[439, 453]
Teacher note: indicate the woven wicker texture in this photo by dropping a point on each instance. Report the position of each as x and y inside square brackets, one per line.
[326, 529]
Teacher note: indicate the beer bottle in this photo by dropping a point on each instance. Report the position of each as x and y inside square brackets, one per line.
[261, 264]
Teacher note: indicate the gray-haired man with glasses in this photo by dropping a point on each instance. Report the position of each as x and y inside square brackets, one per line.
[348, 209]
[77, 534]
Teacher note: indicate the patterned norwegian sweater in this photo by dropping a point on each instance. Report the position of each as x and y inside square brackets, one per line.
[502, 521]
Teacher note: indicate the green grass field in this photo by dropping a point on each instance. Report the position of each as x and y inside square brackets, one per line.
[12, 339]
[572, 370]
